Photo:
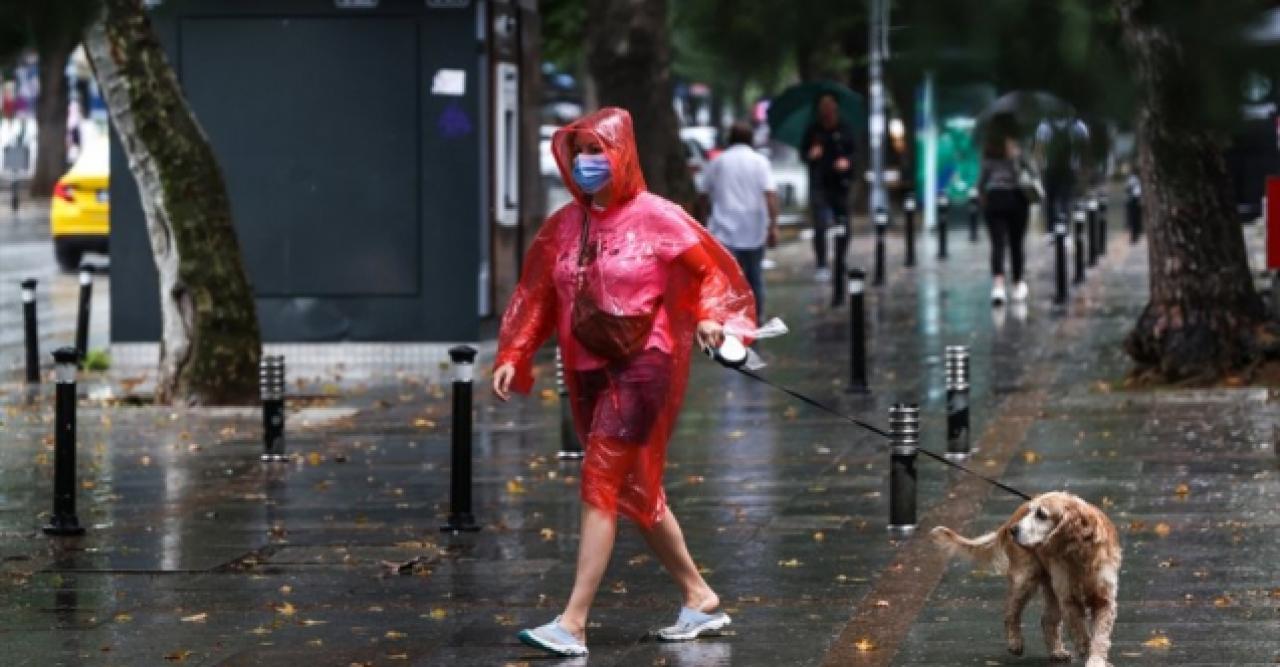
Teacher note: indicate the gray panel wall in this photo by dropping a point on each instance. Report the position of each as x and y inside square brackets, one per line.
[356, 191]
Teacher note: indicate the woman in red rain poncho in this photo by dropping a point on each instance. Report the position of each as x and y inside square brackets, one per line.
[641, 255]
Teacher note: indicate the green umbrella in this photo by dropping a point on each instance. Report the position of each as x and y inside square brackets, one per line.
[794, 110]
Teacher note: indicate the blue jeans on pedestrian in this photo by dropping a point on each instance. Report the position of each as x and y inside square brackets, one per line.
[750, 261]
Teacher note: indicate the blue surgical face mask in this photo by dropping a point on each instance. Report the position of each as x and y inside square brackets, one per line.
[591, 172]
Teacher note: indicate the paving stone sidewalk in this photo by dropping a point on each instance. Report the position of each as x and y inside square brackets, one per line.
[198, 554]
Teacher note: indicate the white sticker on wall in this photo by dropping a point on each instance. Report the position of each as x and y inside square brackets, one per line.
[449, 82]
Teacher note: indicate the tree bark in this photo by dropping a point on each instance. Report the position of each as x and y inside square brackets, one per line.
[210, 345]
[54, 42]
[1204, 320]
[629, 55]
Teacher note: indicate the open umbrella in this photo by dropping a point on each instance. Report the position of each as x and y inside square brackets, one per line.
[791, 112]
[1024, 108]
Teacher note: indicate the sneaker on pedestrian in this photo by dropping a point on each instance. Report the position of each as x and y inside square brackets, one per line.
[998, 296]
[691, 623]
[553, 638]
[1020, 291]
[822, 275]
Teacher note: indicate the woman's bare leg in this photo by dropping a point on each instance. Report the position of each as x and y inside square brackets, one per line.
[599, 528]
[667, 542]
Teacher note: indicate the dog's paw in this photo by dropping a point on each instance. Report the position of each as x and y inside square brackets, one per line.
[1060, 655]
[1015, 645]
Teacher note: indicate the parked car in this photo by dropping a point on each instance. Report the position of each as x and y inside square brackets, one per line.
[697, 159]
[791, 175]
[706, 136]
[79, 213]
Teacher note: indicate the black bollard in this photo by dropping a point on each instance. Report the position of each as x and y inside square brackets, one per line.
[944, 210]
[31, 332]
[904, 430]
[570, 447]
[1079, 253]
[82, 317]
[1060, 260]
[1133, 209]
[1092, 225]
[973, 215]
[909, 220]
[272, 385]
[841, 249]
[1101, 212]
[460, 517]
[857, 334]
[957, 379]
[64, 520]
[881, 218]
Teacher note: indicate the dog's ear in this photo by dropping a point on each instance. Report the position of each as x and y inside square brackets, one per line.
[1078, 524]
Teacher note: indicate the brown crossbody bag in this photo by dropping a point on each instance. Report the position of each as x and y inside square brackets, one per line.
[614, 337]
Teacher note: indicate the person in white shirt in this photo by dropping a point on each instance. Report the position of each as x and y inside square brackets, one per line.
[744, 206]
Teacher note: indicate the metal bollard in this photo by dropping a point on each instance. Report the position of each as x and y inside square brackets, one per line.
[857, 334]
[272, 385]
[1133, 210]
[64, 520]
[944, 210]
[1101, 213]
[31, 333]
[973, 215]
[1060, 260]
[82, 317]
[909, 220]
[904, 430]
[1080, 231]
[957, 379]
[570, 446]
[460, 517]
[1102, 219]
[881, 218]
[1094, 237]
[841, 249]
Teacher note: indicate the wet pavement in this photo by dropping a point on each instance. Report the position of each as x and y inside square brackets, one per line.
[198, 554]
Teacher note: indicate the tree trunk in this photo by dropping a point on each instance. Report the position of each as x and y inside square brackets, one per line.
[210, 345]
[1204, 319]
[54, 43]
[629, 54]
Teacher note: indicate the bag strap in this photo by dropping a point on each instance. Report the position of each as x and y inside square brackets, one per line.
[582, 243]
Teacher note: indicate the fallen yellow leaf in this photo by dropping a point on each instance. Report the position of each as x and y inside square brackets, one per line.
[439, 613]
[1030, 456]
[308, 622]
[1182, 491]
[515, 486]
[864, 645]
[196, 618]
[794, 562]
[286, 609]
[177, 656]
[424, 423]
[1158, 641]
[1222, 601]
[882, 603]
[819, 536]
[1162, 529]
[313, 458]
[123, 617]
[548, 534]
[696, 479]
[393, 634]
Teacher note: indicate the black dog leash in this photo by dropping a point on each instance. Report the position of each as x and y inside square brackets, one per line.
[876, 430]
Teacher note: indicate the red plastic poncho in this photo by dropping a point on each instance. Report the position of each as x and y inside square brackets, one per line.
[648, 254]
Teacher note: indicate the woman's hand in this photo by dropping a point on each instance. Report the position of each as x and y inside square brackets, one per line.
[502, 380]
[710, 334]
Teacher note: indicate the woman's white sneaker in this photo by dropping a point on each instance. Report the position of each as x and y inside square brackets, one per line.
[998, 296]
[1020, 291]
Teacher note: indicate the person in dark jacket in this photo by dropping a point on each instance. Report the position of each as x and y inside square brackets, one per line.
[828, 146]
[1005, 208]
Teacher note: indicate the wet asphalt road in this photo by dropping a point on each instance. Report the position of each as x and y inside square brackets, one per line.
[198, 554]
[27, 252]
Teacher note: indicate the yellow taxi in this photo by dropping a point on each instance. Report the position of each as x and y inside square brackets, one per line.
[79, 212]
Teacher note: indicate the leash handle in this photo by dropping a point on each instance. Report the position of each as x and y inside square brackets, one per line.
[879, 431]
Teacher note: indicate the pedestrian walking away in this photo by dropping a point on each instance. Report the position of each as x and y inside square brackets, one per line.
[1006, 209]
[828, 146]
[744, 206]
[1060, 146]
[627, 280]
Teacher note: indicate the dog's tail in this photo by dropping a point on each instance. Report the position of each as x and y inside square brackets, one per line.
[986, 550]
